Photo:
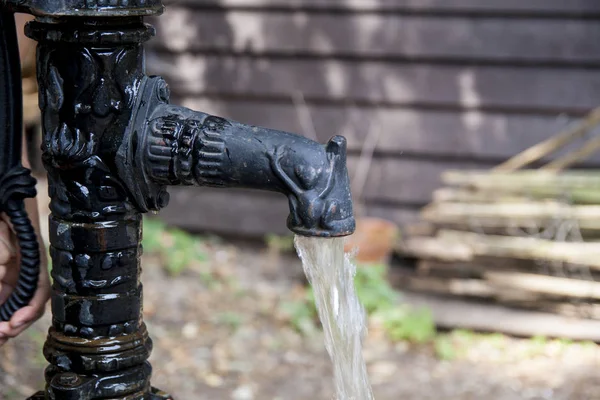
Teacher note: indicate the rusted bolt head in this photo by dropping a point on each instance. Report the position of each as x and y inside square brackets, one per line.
[69, 379]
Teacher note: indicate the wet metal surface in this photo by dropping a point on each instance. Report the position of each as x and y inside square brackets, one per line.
[111, 146]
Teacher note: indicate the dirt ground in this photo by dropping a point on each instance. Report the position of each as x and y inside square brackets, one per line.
[222, 335]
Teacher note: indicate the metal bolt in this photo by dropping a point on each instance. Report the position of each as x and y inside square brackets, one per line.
[162, 199]
[163, 91]
[69, 379]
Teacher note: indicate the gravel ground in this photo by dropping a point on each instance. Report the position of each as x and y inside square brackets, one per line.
[222, 335]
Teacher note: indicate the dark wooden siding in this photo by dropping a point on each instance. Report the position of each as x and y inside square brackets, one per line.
[451, 83]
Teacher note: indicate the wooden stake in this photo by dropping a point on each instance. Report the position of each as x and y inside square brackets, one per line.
[581, 187]
[452, 313]
[528, 248]
[545, 285]
[451, 194]
[576, 156]
[525, 214]
[433, 248]
[550, 145]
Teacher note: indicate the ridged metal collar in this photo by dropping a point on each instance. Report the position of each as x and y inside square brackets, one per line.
[86, 8]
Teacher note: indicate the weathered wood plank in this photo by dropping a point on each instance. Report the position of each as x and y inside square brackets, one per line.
[227, 211]
[384, 36]
[401, 215]
[247, 213]
[542, 7]
[505, 296]
[460, 134]
[493, 88]
[451, 313]
[436, 30]
[410, 180]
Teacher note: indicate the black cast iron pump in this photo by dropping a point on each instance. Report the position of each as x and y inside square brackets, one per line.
[111, 146]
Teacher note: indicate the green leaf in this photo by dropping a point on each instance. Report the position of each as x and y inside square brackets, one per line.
[444, 348]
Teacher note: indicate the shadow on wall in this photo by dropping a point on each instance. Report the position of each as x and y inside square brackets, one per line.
[447, 89]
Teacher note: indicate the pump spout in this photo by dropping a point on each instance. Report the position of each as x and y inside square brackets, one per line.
[178, 146]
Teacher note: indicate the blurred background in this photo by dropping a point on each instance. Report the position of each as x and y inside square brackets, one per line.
[473, 152]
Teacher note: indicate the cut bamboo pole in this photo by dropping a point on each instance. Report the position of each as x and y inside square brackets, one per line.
[457, 287]
[510, 296]
[497, 215]
[475, 268]
[582, 187]
[452, 194]
[576, 309]
[483, 179]
[527, 248]
[587, 150]
[524, 247]
[477, 288]
[451, 313]
[419, 229]
[545, 285]
[433, 248]
[550, 145]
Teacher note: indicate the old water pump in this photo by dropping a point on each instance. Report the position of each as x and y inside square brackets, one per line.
[112, 144]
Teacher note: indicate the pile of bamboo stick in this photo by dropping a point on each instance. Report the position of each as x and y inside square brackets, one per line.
[527, 238]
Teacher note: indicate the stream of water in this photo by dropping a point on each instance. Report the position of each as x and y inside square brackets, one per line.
[331, 274]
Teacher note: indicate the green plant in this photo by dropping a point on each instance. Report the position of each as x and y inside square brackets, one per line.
[565, 342]
[373, 289]
[177, 248]
[587, 344]
[537, 345]
[152, 235]
[444, 348]
[405, 323]
[301, 314]
[465, 337]
[401, 322]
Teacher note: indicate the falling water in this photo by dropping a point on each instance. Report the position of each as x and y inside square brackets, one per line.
[331, 274]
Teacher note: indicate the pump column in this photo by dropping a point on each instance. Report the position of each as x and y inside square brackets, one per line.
[89, 72]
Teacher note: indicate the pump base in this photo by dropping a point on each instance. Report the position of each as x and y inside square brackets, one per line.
[156, 394]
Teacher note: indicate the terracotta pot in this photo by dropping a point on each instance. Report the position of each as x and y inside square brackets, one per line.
[374, 240]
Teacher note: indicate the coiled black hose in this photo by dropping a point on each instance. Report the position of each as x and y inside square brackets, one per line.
[16, 182]
[30, 260]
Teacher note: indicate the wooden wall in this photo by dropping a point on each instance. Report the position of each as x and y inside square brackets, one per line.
[449, 83]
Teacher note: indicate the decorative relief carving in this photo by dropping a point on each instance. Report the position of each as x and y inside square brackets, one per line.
[79, 117]
[187, 150]
[309, 202]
